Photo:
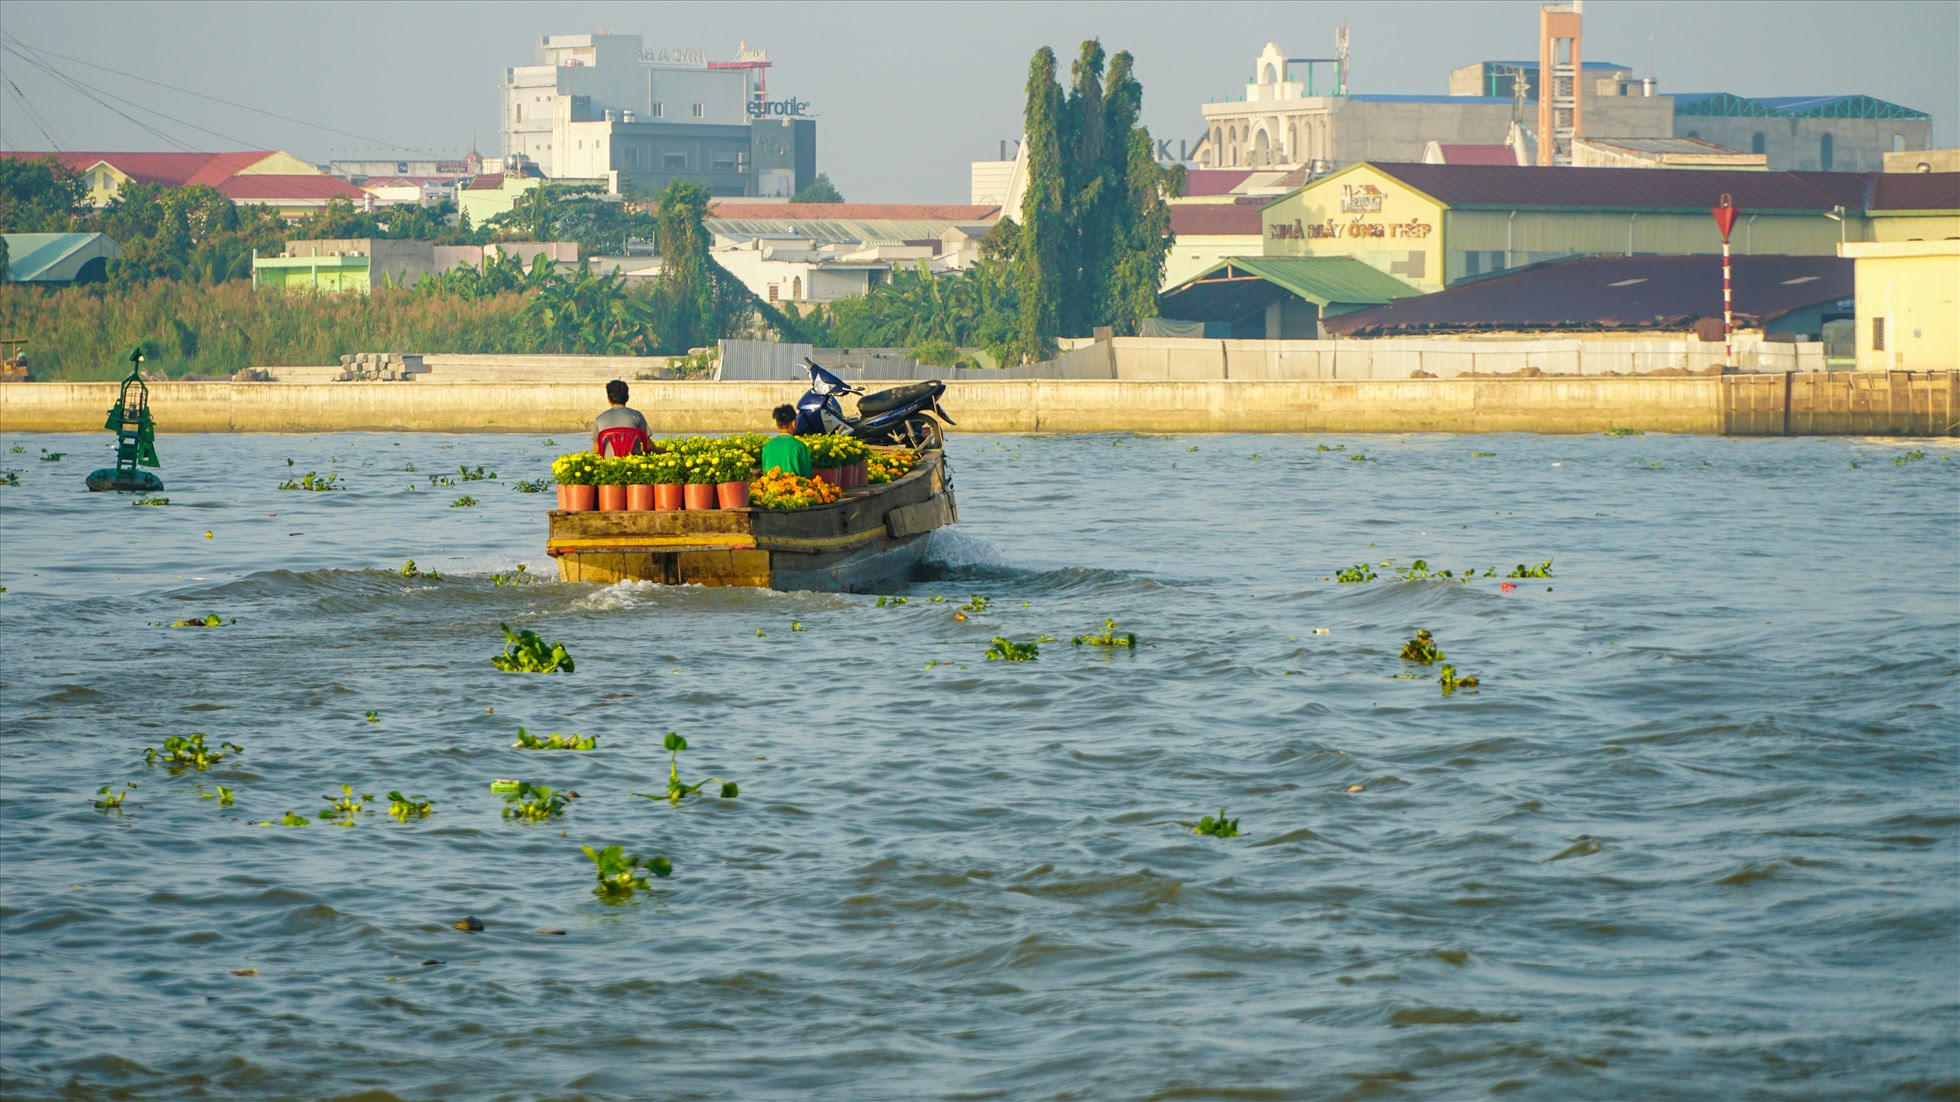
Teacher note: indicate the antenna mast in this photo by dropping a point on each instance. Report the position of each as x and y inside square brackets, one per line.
[1340, 61]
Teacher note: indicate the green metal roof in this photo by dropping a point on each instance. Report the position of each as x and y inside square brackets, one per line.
[1318, 279]
[1239, 285]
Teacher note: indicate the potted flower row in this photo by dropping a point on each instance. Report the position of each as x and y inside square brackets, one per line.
[838, 460]
[692, 473]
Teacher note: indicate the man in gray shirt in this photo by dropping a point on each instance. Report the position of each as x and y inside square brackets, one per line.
[620, 430]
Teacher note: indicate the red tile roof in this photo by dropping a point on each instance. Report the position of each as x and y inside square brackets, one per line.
[1609, 292]
[272, 189]
[168, 169]
[1479, 155]
[1213, 181]
[1215, 219]
[1501, 186]
[862, 212]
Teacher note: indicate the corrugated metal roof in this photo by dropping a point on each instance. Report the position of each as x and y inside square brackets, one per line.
[1528, 186]
[1237, 286]
[1213, 181]
[829, 231]
[1610, 292]
[855, 212]
[1917, 191]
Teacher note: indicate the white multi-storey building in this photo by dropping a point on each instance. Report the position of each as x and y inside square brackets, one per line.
[612, 78]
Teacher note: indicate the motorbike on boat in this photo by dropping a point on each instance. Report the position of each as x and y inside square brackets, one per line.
[907, 415]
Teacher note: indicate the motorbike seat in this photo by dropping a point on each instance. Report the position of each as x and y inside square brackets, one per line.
[898, 396]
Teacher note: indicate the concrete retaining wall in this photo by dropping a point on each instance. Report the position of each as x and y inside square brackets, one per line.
[1867, 403]
[1170, 358]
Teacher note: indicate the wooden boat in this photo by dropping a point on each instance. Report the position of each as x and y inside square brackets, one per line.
[870, 539]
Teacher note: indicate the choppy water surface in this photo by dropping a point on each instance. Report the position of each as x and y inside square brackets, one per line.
[1694, 836]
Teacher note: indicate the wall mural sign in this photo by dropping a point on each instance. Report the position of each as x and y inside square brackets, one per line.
[1361, 199]
[688, 56]
[1296, 231]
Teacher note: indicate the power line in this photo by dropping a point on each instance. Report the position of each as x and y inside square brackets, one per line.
[230, 103]
[277, 191]
[33, 116]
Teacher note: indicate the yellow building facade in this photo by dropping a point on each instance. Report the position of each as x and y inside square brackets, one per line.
[1908, 316]
[1433, 225]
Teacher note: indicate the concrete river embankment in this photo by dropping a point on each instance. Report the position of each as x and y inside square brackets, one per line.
[1809, 403]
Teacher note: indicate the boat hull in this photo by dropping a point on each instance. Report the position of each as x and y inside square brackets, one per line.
[872, 539]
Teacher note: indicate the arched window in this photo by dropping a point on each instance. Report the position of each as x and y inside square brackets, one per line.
[520, 112]
[1269, 75]
[1758, 143]
[1826, 152]
[1293, 143]
[1232, 143]
[1898, 143]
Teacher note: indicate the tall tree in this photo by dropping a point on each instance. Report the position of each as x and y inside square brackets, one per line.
[1095, 226]
[819, 190]
[1043, 268]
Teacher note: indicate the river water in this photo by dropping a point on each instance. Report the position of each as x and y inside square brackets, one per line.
[1694, 834]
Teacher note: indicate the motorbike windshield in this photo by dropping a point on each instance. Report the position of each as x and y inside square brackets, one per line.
[823, 382]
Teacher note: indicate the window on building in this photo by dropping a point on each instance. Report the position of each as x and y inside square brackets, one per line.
[725, 160]
[1473, 263]
[520, 112]
[632, 158]
[673, 160]
[1878, 334]
[700, 111]
[773, 289]
[1694, 133]
[1758, 143]
[659, 109]
[1898, 143]
[796, 289]
[1826, 153]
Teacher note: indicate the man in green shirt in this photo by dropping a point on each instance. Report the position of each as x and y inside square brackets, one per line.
[784, 451]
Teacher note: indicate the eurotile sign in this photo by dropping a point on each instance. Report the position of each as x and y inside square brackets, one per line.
[1362, 213]
[779, 109]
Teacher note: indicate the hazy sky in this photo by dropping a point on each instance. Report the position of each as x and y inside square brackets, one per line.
[907, 93]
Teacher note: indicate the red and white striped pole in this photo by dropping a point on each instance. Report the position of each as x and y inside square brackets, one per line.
[1725, 218]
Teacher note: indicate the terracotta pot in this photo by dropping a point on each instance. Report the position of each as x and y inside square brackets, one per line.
[700, 495]
[732, 495]
[562, 496]
[578, 499]
[639, 497]
[832, 475]
[612, 499]
[861, 473]
[667, 497]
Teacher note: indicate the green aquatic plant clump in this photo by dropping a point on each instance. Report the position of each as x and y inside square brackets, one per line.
[1217, 827]
[112, 800]
[404, 808]
[555, 742]
[1448, 678]
[534, 802]
[673, 743]
[212, 621]
[519, 576]
[409, 570]
[180, 752]
[1003, 649]
[342, 809]
[525, 652]
[1108, 638]
[464, 502]
[1359, 572]
[620, 875]
[310, 481]
[1542, 570]
[1422, 649]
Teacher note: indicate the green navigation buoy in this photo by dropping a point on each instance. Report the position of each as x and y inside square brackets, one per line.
[135, 433]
